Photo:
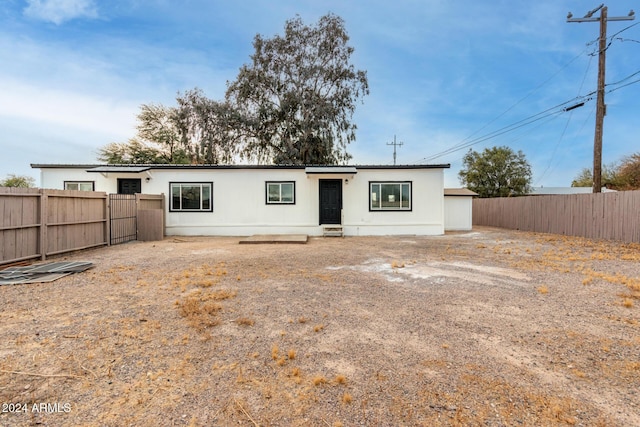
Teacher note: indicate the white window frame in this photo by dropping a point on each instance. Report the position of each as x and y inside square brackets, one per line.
[79, 185]
[184, 185]
[375, 198]
[280, 201]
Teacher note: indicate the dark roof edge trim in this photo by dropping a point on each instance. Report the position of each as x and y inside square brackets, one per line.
[222, 167]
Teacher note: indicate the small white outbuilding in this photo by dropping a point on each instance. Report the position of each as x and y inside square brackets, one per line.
[458, 209]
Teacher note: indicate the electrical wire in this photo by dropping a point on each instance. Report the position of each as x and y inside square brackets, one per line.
[566, 125]
[518, 102]
[626, 78]
[468, 142]
[556, 110]
[611, 39]
[620, 87]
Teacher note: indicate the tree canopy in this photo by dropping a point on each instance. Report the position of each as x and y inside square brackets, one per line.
[21, 181]
[496, 172]
[585, 177]
[158, 140]
[622, 175]
[293, 104]
[208, 129]
[297, 97]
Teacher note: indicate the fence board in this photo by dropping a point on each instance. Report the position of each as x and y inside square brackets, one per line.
[150, 226]
[35, 223]
[612, 216]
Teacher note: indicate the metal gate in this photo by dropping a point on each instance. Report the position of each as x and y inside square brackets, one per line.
[123, 218]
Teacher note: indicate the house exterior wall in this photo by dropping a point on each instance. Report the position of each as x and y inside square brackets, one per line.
[240, 208]
[458, 213]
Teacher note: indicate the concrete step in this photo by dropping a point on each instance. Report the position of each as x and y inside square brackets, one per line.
[332, 231]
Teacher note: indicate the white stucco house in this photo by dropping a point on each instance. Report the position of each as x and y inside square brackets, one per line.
[241, 200]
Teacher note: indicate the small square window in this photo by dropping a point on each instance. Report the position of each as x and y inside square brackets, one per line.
[279, 193]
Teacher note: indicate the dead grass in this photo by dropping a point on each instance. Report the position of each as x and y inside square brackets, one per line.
[319, 380]
[195, 345]
[245, 321]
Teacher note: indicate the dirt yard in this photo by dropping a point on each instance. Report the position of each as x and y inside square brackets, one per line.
[490, 328]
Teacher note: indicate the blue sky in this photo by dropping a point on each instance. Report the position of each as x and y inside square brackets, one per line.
[442, 73]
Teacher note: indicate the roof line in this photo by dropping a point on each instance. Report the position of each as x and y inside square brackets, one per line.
[177, 166]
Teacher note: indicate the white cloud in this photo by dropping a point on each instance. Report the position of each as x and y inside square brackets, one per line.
[59, 11]
[79, 112]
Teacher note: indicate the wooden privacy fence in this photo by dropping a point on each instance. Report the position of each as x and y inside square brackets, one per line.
[613, 216]
[36, 223]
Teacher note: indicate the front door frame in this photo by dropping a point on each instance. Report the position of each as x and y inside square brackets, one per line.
[331, 214]
[124, 185]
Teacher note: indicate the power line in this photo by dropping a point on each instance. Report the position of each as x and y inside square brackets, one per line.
[600, 105]
[620, 87]
[566, 125]
[626, 78]
[556, 110]
[468, 138]
[578, 101]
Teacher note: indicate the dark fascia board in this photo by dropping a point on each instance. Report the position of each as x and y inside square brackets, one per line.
[119, 169]
[238, 167]
[320, 170]
[61, 166]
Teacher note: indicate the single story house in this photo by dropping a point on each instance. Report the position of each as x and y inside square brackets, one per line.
[240, 200]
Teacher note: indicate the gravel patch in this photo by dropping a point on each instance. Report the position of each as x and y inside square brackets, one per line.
[489, 327]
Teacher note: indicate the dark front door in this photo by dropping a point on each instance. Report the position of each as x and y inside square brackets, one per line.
[330, 201]
[129, 186]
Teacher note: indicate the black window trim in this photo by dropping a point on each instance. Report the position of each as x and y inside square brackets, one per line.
[210, 183]
[410, 209]
[266, 192]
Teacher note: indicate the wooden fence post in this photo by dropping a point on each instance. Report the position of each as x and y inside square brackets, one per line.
[43, 224]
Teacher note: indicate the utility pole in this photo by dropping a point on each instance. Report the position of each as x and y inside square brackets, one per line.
[395, 144]
[601, 108]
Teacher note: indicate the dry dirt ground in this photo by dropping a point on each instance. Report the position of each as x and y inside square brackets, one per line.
[490, 327]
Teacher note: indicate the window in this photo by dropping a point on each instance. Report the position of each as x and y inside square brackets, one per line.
[281, 192]
[191, 196]
[390, 196]
[79, 185]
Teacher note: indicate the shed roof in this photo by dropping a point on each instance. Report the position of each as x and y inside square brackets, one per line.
[459, 192]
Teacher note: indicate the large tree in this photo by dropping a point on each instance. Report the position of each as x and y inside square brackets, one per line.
[496, 172]
[297, 97]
